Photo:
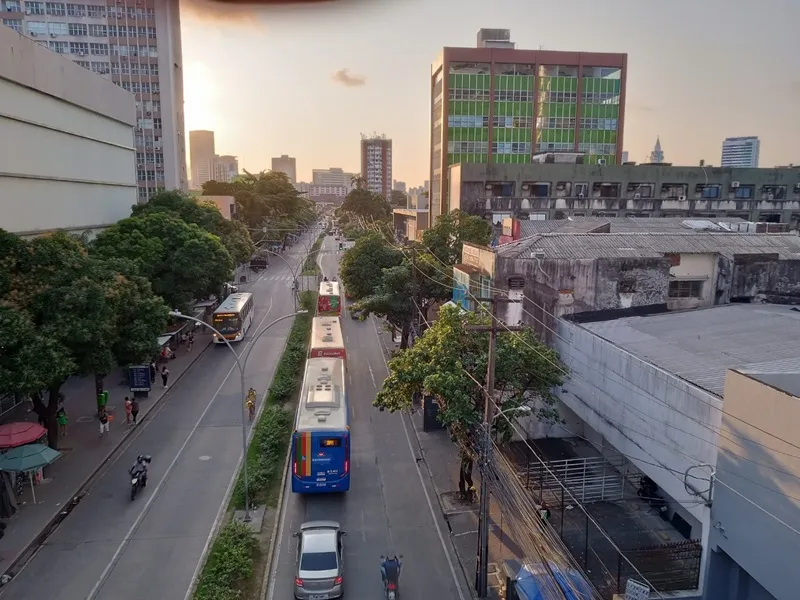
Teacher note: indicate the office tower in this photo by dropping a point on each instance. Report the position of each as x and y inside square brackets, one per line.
[499, 104]
[201, 157]
[741, 152]
[376, 164]
[286, 164]
[226, 167]
[136, 44]
[657, 155]
[332, 177]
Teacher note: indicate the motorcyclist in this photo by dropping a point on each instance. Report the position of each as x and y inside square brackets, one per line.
[139, 469]
[324, 279]
[390, 570]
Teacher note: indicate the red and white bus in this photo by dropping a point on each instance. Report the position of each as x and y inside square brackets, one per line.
[329, 302]
[327, 340]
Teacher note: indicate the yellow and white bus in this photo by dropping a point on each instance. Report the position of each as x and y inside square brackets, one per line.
[233, 317]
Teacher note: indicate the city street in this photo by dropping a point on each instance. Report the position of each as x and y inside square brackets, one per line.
[110, 548]
[390, 506]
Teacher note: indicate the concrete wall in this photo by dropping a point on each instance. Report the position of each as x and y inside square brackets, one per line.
[67, 159]
[225, 204]
[764, 469]
[663, 424]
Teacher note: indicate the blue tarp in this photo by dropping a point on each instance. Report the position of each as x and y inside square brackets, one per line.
[529, 582]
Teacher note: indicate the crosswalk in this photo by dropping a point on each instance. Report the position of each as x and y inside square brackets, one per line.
[284, 277]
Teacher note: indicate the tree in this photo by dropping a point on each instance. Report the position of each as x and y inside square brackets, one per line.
[66, 313]
[218, 188]
[366, 204]
[358, 182]
[269, 196]
[233, 234]
[446, 238]
[362, 266]
[449, 362]
[399, 199]
[182, 261]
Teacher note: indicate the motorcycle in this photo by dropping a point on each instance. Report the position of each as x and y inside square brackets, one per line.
[391, 587]
[138, 479]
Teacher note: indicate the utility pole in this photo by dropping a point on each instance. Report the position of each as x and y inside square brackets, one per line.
[482, 569]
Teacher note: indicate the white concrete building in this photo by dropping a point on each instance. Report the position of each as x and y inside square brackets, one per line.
[67, 158]
[742, 152]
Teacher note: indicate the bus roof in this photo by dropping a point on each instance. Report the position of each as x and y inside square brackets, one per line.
[234, 303]
[329, 288]
[326, 332]
[323, 402]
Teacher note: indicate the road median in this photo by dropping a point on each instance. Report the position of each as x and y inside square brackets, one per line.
[238, 559]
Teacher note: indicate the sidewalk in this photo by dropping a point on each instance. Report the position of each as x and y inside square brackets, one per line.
[441, 460]
[84, 453]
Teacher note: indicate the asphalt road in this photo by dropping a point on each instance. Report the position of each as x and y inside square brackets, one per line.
[110, 548]
[390, 506]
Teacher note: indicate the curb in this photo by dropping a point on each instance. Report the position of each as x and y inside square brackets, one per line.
[21, 560]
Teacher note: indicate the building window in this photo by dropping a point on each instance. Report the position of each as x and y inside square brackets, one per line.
[744, 192]
[555, 122]
[101, 67]
[96, 11]
[156, 89]
[673, 190]
[15, 24]
[467, 121]
[99, 49]
[708, 191]
[13, 6]
[512, 122]
[37, 28]
[511, 147]
[82, 63]
[685, 289]
[513, 96]
[773, 192]
[98, 31]
[56, 9]
[34, 8]
[156, 123]
[640, 190]
[59, 47]
[77, 29]
[79, 48]
[605, 190]
[151, 33]
[76, 10]
[58, 28]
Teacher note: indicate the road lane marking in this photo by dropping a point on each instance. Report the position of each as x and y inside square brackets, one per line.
[129, 535]
[422, 482]
[371, 374]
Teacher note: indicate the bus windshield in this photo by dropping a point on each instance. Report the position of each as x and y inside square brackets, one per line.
[227, 324]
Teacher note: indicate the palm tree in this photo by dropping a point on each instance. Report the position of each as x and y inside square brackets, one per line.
[358, 182]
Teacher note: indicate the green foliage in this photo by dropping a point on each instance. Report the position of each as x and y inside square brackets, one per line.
[446, 238]
[449, 358]
[233, 234]
[229, 565]
[398, 199]
[310, 266]
[363, 203]
[182, 261]
[290, 367]
[362, 266]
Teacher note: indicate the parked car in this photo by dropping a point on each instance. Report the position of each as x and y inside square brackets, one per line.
[319, 570]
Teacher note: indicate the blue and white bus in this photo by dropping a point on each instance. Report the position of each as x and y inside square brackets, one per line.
[233, 317]
[321, 438]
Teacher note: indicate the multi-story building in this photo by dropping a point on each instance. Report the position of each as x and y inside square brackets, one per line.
[501, 105]
[287, 165]
[136, 44]
[332, 177]
[67, 160]
[399, 186]
[657, 155]
[226, 168]
[201, 157]
[376, 164]
[557, 191]
[328, 192]
[740, 152]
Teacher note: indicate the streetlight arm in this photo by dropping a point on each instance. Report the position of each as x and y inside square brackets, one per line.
[179, 315]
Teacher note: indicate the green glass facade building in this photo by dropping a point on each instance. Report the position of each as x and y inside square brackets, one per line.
[503, 106]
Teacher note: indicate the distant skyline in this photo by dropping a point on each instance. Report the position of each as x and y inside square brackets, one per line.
[308, 81]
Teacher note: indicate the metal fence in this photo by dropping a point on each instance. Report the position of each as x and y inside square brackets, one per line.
[588, 479]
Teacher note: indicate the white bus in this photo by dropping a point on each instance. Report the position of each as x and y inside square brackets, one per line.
[326, 338]
[233, 317]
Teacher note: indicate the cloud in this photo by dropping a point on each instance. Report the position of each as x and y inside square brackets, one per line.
[221, 10]
[345, 78]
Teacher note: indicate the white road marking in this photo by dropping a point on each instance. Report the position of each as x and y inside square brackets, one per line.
[129, 535]
[371, 374]
[422, 484]
[205, 457]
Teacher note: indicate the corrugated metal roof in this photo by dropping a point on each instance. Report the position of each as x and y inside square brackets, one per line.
[625, 224]
[701, 345]
[644, 245]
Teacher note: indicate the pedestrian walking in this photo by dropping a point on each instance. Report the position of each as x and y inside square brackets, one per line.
[128, 409]
[134, 409]
[153, 371]
[190, 342]
[102, 416]
[164, 375]
[62, 419]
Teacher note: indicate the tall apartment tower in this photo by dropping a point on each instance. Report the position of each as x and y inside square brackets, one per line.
[136, 44]
[740, 152]
[286, 164]
[376, 164]
[226, 167]
[202, 154]
[498, 104]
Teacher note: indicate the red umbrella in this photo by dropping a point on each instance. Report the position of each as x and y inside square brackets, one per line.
[19, 434]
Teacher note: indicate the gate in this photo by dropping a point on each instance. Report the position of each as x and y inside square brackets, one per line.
[596, 479]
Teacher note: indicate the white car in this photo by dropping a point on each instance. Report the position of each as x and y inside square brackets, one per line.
[319, 568]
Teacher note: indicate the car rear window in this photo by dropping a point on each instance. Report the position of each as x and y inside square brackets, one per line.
[318, 561]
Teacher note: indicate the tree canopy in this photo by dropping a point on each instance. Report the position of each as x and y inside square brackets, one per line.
[360, 201]
[362, 266]
[233, 234]
[399, 199]
[63, 312]
[446, 238]
[449, 358]
[182, 261]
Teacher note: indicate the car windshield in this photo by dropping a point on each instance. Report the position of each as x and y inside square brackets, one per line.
[318, 561]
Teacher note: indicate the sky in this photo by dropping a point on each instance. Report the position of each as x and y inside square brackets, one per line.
[307, 81]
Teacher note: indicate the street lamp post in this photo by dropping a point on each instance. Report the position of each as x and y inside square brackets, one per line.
[291, 270]
[481, 576]
[241, 366]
